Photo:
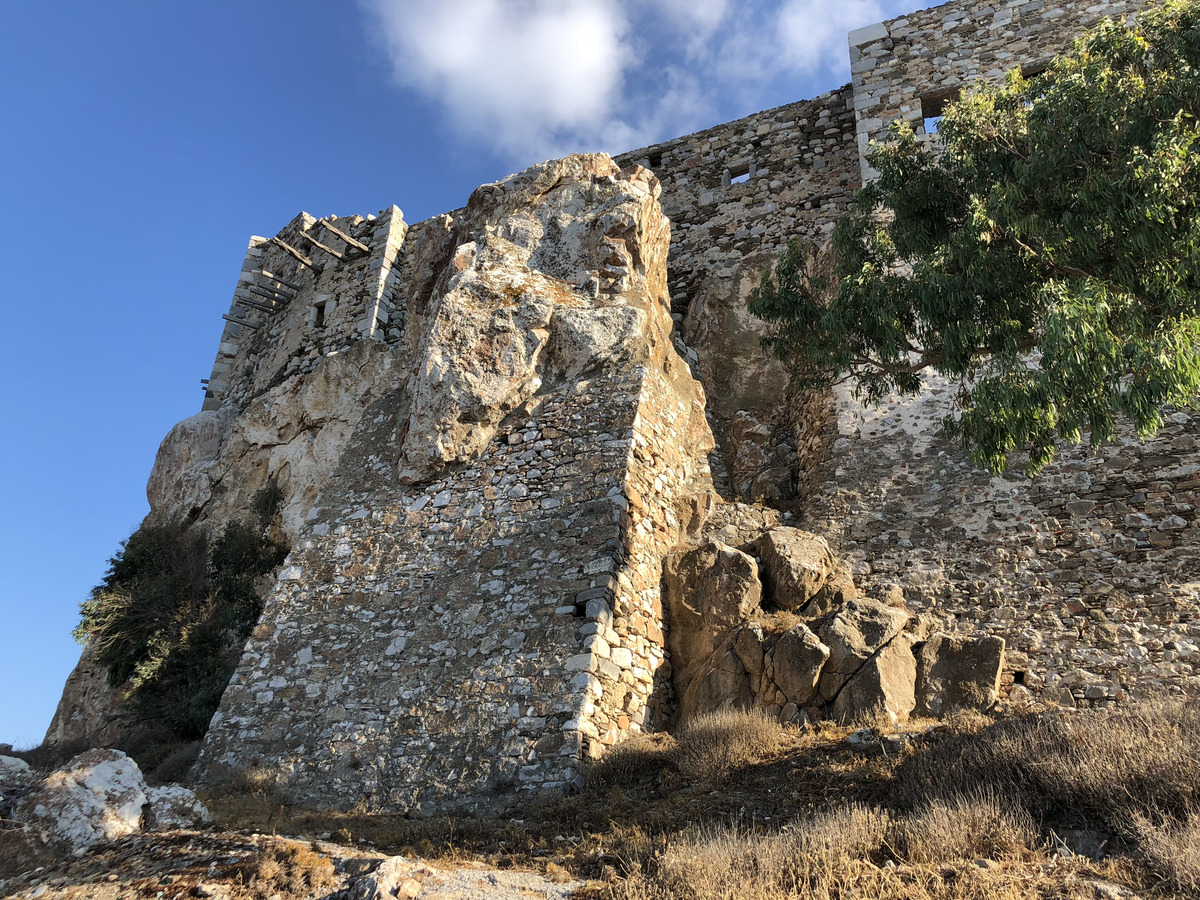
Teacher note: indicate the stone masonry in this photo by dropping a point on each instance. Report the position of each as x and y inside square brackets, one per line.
[489, 437]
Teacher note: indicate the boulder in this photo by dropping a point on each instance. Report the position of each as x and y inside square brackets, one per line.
[958, 673]
[884, 687]
[559, 271]
[798, 659]
[707, 591]
[15, 774]
[721, 683]
[174, 806]
[99, 796]
[859, 630]
[797, 568]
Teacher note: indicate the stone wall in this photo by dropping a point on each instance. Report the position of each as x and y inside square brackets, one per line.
[304, 294]
[907, 68]
[735, 195]
[1090, 571]
[473, 602]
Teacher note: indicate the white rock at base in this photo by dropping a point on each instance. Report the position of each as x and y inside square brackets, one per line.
[174, 806]
[98, 796]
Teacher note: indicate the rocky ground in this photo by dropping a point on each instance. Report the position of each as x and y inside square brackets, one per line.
[1069, 804]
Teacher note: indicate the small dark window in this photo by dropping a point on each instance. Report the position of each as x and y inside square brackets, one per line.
[319, 321]
[739, 173]
[933, 104]
[655, 159]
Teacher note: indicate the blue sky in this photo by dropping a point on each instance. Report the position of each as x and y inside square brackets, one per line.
[142, 142]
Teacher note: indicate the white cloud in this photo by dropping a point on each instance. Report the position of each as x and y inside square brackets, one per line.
[538, 78]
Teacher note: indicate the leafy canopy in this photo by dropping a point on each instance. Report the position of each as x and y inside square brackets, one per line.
[1048, 258]
[169, 619]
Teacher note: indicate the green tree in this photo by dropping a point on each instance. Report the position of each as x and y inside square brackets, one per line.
[170, 618]
[1046, 255]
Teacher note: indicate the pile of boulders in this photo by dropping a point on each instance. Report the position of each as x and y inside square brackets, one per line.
[98, 796]
[778, 624]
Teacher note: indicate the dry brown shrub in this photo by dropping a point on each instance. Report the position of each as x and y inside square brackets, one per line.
[286, 866]
[1090, 768]
[636, 756]
[1172, 849]
[962, 829]
[714, 745]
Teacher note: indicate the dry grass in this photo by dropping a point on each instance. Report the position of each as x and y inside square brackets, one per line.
[286, 867]
[714, 745]
[1095, 769]
[1172, 849]
[966, 828]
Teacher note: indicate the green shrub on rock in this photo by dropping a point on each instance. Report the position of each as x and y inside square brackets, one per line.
[170, 617]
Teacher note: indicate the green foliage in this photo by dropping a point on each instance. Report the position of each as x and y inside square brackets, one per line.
[172, 613]
[1048, 258]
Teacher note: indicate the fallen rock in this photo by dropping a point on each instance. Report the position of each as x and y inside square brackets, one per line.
[958, 673]
[174, 806]
[391, 879]
[99, 796]
[798, 659]
[859, 630]
[707, 591]
[797, 568]
[15, 774]
[884, 687]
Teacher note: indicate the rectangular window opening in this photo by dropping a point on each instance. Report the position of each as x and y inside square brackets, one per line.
[933, 104]
[319, 320]
[739, 179]
[739, 173]
[655, 160]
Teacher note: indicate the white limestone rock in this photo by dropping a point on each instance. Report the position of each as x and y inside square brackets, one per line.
[558, 272]
[99, 796]
[174, 806]
[15, 774]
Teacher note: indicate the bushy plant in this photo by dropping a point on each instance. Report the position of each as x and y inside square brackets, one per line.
[173, 611]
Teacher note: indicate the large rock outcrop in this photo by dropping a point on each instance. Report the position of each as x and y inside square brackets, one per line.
[488, 548]
[735, 641]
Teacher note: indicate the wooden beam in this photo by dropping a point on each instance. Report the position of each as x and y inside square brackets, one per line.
[253, 325]
[296, 254]
[312, 240]
[282, 298]
[351, 242]
[283, 281]
[254, 304]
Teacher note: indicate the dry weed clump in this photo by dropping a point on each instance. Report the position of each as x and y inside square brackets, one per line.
[287, 867]
[638, 755]
[1172, 849]
[1096, 768]
[715, 744]
[964, 828]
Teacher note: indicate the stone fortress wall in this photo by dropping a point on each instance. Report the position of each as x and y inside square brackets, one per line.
[473, 602]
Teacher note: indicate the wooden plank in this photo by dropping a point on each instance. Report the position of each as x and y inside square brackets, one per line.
[273, 293]
[345, 237]
[312, 240]
[253, 325]
[281, 298]
[283, 281]
[296, 254]
[254, 304]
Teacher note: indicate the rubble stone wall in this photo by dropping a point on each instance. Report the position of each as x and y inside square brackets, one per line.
[906, 68]
[290, 313]
[1090, 570]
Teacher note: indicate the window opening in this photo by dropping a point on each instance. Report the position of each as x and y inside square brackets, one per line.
[738, 173]
[655, 159]
[319, 318]
[933, 104]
